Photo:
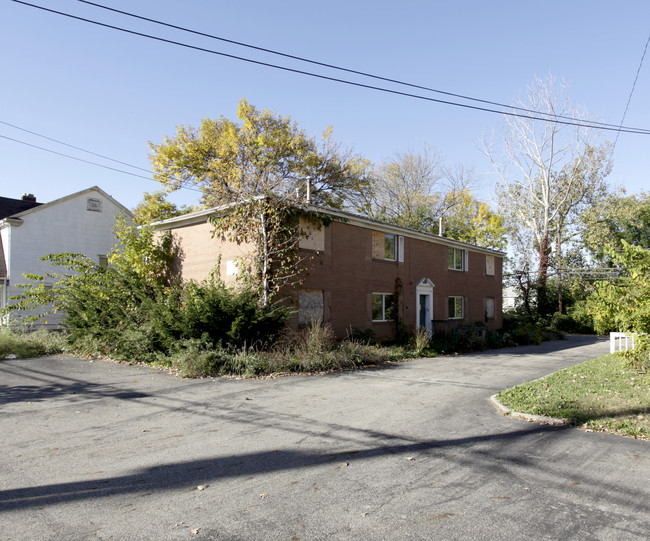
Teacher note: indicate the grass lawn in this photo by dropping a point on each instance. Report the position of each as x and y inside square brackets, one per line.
[604, 395]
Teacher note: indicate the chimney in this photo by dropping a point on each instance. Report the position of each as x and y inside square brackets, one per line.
[308, 195]
[29, 197]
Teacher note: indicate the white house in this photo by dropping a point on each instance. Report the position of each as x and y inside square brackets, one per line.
[82, 223]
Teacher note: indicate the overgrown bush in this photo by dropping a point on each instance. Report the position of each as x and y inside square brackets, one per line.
[367, 336]
[226, 316]
[568, 323]
[126, 315]
[420, 340]
[27, 344]
[639, 357]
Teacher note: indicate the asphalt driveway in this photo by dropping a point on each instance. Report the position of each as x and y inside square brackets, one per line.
[95, 450]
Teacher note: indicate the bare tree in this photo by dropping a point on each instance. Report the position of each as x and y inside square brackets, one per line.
[549, 171]
[416, 189]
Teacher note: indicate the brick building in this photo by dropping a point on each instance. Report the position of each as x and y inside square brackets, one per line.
[365, 274]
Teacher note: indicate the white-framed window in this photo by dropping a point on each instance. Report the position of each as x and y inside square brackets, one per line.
[387, 246]
[457, 259]
[383, 307]
[456, 307]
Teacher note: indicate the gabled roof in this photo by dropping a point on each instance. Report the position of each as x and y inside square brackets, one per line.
[355, 219]
[10, 207]
[42, 206]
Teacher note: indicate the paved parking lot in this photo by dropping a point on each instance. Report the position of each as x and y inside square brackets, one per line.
[96, 450]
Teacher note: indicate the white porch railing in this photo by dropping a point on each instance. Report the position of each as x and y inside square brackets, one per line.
[620, 341]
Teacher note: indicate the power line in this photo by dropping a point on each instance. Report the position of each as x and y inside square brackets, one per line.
[585, 124]
[87, 161]
[629, 99]
[75, 147]
[340, 68]
[74, 158]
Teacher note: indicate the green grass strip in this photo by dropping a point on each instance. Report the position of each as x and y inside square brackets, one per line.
[605, 394]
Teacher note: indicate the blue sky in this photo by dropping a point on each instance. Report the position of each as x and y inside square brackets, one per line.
[111, 93]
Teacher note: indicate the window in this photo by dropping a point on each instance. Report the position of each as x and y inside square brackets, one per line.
[387, 246]
[489, 308]
[312, 236]
[383, 307]
[456, 307]
[310, 306]
[103, 261]
[489, 265]
[456, 259]
[3, 292]
[231, 267]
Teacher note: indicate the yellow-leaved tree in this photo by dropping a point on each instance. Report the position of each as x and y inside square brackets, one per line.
[257, 170]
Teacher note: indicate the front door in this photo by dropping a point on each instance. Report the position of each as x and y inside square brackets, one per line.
[425, 317]
[424, 305]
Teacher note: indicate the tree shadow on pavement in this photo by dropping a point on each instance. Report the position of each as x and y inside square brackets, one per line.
[494, 454]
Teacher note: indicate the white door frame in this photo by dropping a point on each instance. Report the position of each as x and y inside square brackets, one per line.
[424, 287]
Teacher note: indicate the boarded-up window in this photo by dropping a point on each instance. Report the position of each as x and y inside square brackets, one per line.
[489, 307]
[377, 245]
[313, 236]
[489, 265]
[310, 306]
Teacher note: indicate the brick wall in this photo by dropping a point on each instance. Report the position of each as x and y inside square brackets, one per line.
[201, 252]
[347, 274]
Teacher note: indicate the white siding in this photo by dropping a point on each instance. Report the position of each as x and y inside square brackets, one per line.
[66, 226]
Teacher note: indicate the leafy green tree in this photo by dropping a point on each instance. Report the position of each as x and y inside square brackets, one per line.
[614, 219]
[254, 170]
[260, 155]
[624, 304]
[154, 207]
[144, 252]
[473, 221]
[417, 190]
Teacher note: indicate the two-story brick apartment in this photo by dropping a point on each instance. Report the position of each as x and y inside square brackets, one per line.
[365, 274]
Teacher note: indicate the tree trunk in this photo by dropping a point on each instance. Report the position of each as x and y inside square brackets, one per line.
[265, 259]
[559, 271]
